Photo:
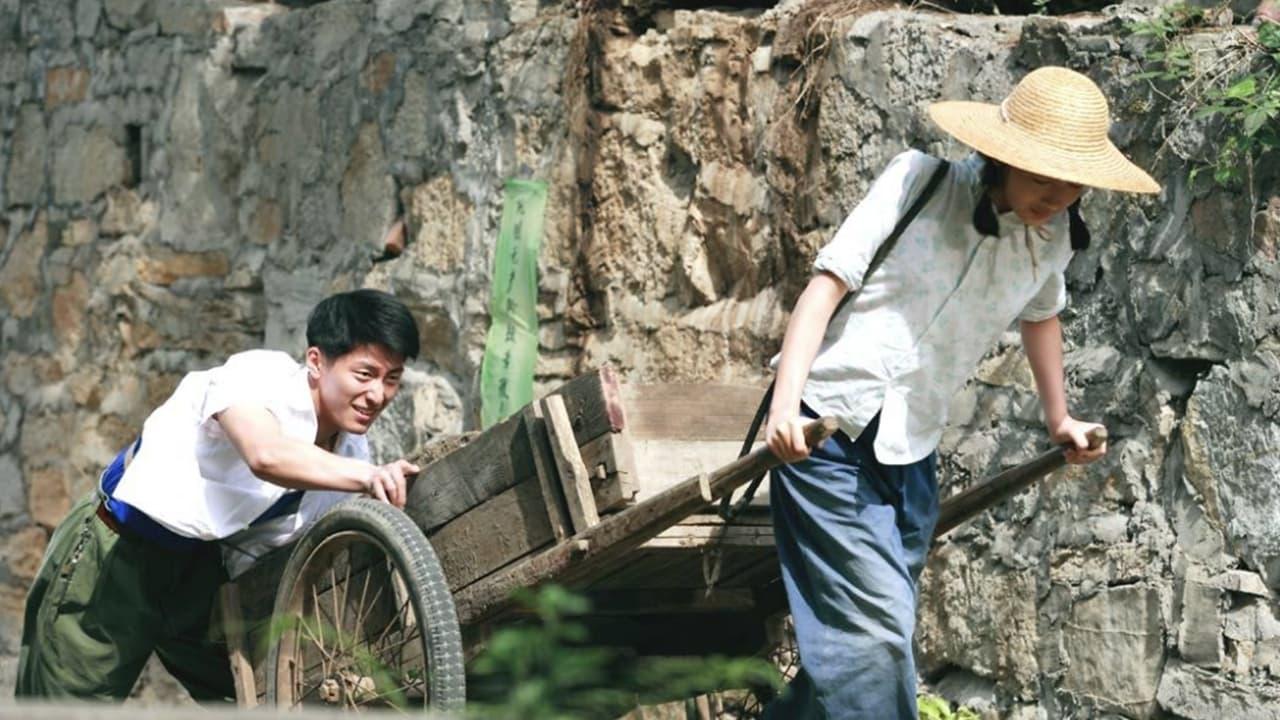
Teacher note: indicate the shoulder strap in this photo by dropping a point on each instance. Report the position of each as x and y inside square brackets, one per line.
[890, 242]
[729, 511]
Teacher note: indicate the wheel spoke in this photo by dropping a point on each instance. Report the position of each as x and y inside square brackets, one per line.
[365, 646]
[391, 624]
[337, 613]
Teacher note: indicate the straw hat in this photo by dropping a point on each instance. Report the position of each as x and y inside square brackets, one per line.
[1055, 124]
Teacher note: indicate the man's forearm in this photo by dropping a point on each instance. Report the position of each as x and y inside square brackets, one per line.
[299, 465]
[286, 461]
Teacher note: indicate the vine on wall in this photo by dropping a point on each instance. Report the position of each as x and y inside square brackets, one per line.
[1237, 91]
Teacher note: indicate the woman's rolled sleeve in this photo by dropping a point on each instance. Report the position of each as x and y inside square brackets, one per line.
[850, 251]
[1048, 301]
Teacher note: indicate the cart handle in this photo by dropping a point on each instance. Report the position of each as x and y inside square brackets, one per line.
[964, 505]
[815, 433]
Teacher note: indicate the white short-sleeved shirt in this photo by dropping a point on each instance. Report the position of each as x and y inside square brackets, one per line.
[934, 307]
[189, 477]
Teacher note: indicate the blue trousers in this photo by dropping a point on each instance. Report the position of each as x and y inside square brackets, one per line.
[852, 537]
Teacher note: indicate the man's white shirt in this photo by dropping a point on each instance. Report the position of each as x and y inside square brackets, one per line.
[189, 477]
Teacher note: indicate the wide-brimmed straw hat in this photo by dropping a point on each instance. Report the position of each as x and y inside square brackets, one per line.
[1055, 124]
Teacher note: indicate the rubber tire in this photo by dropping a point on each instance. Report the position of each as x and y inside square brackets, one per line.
[406, 546]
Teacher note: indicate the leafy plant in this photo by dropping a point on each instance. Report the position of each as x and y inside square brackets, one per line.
[1251, 106]
[933, 707]
[1239, 92]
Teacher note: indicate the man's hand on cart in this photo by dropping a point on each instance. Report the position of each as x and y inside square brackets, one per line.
[389, 483]
[1074, 433]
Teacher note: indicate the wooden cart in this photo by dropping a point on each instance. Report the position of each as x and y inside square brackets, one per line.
[603, 487]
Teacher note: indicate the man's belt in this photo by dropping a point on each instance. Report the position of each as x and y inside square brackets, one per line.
[128, 521]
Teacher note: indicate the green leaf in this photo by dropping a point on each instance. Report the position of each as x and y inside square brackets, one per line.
[1244, 89]
[1209, 110]
[1254, 121]
[1269, 35]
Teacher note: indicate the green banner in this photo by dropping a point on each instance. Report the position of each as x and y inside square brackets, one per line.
[511, 349]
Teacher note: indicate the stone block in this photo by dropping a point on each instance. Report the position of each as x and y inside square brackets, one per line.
[70, 303]
[1234, 464]
[21, 282]
[12, 603]
[13, 66]
[1242, 582]
[165, 267]
[22, 551]
[1196, 694]
[420, 123]
[25, 179]
[732, 186]
[87, 14]
[127, 213]
[1268, 237]
[255, 48]
[975, 617]
[427, 406]
[85, 386]
[185, 18]
[1251, 621]
[265, 222]
[438, 218]
[128, 14]
[13, 501]
[48, 494]
[78, 233]
[65, 85]
[1115, 648]
[1239, 658]
[378, 72]
[1267, 657]
[1200, 631]
[23, 375]
[86, 163]
[1006, 368]
[368, 191]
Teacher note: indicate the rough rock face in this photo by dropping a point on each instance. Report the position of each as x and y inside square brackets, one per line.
[182, 180]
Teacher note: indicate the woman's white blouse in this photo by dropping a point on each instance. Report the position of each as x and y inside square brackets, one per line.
[941, 299]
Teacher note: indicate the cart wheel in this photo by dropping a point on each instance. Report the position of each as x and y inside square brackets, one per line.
[364, 618]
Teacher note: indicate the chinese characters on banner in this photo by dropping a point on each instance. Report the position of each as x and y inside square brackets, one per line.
[511, 349]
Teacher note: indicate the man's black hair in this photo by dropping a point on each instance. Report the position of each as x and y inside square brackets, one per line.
[343, 322]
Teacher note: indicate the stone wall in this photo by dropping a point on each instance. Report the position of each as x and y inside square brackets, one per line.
[182, 180]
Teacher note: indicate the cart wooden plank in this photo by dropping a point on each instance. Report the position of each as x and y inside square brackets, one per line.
[233, 626]
[573, 473]
[640, 564]
[611, 465]
[603, 544]
[510, 525]
[544, 463]
[690, 411]
[501, 457]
